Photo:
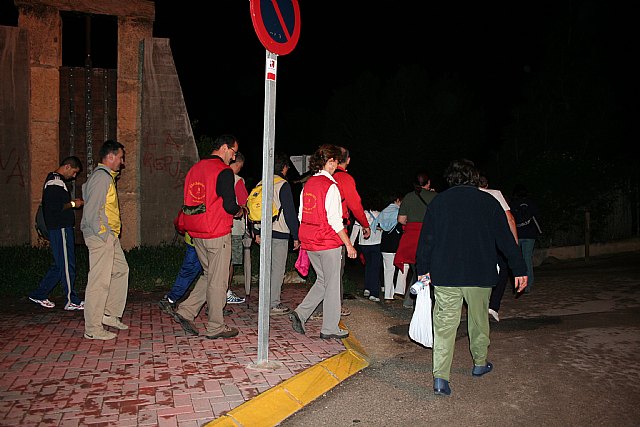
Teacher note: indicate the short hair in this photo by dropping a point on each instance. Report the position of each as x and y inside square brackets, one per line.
[280, 160]
[461, 172]
[483, 182]
[422, 179]
[110, 147]
[225, 139]
[344, 155]
[72, 161]
[239, 158]
[322, 155]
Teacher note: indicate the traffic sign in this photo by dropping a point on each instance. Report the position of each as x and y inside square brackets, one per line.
[277, 24]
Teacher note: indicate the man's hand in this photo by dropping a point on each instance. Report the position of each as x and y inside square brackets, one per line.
[78, 203]
[366, 232]
[351, 251]
[521, 283]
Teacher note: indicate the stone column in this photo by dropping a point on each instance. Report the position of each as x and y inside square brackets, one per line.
[131, 32]
[44, 28]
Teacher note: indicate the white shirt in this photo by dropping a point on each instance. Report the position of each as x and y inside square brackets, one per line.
[497, 194]
[376, 234]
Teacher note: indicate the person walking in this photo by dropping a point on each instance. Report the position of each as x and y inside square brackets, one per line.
[60, 219]
[370, 248]
[351, 205]
[285, 227]
[457, 251]
[503, 270]
[108, 280]
[189, 272]
[387, 221]
[209, 207]
[410, 215]
[322, 234]
[526, 215]
[239, 226]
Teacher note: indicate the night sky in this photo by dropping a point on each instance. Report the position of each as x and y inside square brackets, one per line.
[491, 46]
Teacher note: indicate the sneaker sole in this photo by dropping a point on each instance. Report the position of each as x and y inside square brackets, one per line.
[330, 336]
[42, 304]
[235, 302]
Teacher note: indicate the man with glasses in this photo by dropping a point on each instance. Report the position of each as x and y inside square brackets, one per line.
[209, 207]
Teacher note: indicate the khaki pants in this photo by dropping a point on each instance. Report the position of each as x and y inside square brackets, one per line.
[211, 287]
[107, 284]
[279, 252]
[446, 319]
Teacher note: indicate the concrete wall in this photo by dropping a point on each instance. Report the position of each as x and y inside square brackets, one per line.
[576, 252]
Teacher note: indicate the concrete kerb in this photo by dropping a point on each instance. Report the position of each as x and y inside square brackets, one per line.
[279, 402]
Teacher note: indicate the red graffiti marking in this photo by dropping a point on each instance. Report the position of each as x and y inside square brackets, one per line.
[12, 165]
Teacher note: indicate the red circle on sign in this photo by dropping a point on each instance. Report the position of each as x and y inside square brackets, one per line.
[274, 33]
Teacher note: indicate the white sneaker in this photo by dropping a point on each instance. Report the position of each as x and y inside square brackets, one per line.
[494, 314]
[43, 302]
[366, 293]
[232, 298]
[74, 307]
[374, 299]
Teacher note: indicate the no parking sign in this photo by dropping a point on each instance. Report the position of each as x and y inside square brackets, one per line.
[277, 24]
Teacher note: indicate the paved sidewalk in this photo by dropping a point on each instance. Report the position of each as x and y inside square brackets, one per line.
[151, 374]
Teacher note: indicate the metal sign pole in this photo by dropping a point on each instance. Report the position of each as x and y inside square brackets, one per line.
[266, 225]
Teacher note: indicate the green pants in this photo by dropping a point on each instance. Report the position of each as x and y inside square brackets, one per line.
[446, 319]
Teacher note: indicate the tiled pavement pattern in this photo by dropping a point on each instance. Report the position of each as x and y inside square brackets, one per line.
[151, 374]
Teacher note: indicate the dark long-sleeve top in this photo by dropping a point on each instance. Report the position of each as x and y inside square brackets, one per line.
[54, 196]
[225, 188]
[462, 231]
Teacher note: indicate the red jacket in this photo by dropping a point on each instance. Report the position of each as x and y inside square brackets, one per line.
[205, 218]
[351, 202]
[315, 233]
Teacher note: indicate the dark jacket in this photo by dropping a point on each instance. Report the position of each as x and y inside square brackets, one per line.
[461, 232]
[54, 196]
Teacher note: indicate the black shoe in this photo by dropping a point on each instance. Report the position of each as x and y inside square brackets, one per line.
[167, 306]
[227, 333]
[441, 387]
[188, 326]
[340, 335]
[479, 371]
[296, 322]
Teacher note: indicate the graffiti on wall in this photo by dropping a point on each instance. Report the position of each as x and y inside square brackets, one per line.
[166, 158]
[10, 169]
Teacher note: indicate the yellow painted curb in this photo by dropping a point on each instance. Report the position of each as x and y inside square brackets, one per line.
[276, 404]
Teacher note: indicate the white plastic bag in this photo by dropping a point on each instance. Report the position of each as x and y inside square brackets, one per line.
[421, 327]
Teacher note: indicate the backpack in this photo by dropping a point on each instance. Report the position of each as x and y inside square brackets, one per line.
[40, 225]
[254, 203]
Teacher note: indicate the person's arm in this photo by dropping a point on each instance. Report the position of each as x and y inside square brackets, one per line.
[354, 202]
[224, 189]
[512, 224]
[333, 206]
[289, 212]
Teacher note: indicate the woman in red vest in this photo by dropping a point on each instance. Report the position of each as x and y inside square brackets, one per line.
[322, 235]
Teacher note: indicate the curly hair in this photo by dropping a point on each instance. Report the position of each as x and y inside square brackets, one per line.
[462, 172]
[322, 155]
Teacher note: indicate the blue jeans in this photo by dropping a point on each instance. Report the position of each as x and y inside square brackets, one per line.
[189, 271]
[526, 246]
[63, 268]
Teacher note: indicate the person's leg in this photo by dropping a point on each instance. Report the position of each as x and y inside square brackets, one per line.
[372, 269]
[388, 272]
[316, 293]
[54, 274]
[401, 280]
[408, 298]
[190, 307]
[237, 258]
[68, 267]
[218, 252]
[119, 283]
[189, 271]
[101, 255]
[446, 318]
[331, 304]
[477, 322]
[498, 291]
[527, 246]
[279, 252]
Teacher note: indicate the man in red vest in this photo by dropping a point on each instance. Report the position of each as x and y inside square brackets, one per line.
[209, 208]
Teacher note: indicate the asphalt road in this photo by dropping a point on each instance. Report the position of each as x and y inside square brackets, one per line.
[564, 355]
